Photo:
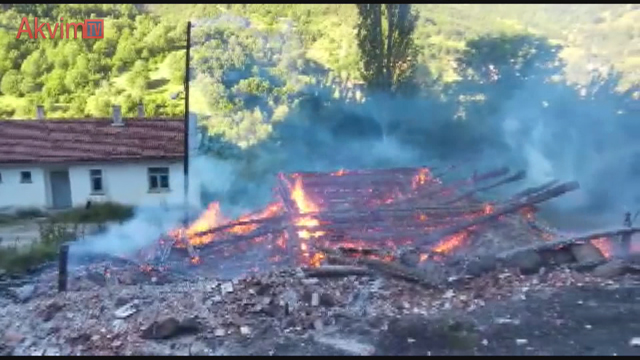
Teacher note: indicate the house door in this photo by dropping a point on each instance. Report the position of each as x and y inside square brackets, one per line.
[60, 189]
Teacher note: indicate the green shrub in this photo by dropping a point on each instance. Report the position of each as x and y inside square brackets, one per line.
[97, 213]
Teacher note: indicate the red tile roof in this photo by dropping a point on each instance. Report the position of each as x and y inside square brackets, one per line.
[78, 140]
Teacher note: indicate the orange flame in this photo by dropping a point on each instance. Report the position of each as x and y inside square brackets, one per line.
[422, 177]
[211, 218]
[488, 209]
[451, 243]
[304, 204]
[528, 213]
[271, 210]
[604, 245]
[316, 260]
[340, 172]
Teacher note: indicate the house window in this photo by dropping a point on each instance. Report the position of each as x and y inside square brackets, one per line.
[25, 177]
[158, 178]
[96, 181]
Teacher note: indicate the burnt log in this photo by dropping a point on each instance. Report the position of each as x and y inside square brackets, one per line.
[586, 253]
[430, 278]
[515, 177]
[234, 224]
[361, 172]
[389, 268]
[560, 243]
[534, 190]
[231, 239]
[551, 193]
[430, 193]
[528, 262]
[336, 271]
[611, 269]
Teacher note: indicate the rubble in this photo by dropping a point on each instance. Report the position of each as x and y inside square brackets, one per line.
[610, 269]
[343, 273]
[85, 320]
[125, 311]
[586, 253]
[169, 328]
[350, 346]
[24, 293]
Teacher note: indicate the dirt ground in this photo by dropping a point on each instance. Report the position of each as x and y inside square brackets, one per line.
[504, 313]
[573, 321]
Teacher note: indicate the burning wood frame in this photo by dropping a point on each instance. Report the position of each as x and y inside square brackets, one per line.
[402, 222]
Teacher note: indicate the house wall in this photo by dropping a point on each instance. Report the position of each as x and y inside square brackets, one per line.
[13, 193]
[127, 183]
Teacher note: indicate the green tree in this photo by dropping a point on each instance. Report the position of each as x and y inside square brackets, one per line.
[129, 105]
[11, 82]
[35, 65]
[54, 85]
[387, 49]
[176, 65]
[99, 104]
[77, 105]
[28, 86]
[138, 78]
[77, 79]
[126, 52]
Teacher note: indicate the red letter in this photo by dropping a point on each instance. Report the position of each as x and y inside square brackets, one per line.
[75, 29]
[61, 29]
[54, 30]
[38, 29]
[28, 31]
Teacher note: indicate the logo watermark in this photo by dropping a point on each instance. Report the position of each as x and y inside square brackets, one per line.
[89, 29]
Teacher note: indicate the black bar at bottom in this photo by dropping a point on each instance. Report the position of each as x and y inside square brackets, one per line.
[62, 267]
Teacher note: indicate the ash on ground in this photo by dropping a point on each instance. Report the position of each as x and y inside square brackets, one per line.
[286, 313]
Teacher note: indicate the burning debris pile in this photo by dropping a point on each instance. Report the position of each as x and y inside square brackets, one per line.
[331, 236]
[403, 222]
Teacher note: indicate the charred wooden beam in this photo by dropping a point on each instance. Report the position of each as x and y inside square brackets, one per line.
[389, 268]
[234, 224]
[515, 177]
[559, 243]
[551, 193]
[263, 230]
[336, 271]
[455, 186]
[534, 190]
[341, 173]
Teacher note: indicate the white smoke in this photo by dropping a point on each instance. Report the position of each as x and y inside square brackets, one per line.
[150, 223]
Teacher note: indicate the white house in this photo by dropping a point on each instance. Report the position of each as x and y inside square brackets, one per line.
[60, 163]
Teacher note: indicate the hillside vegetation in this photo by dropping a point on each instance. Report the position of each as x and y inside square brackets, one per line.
[255, 67]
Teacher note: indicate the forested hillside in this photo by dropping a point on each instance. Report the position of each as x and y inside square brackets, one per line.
[142, 55]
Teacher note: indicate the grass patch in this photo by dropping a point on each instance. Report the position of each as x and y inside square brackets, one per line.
[21, 214]
[56, 230]
[97, 213]
[20, 260]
